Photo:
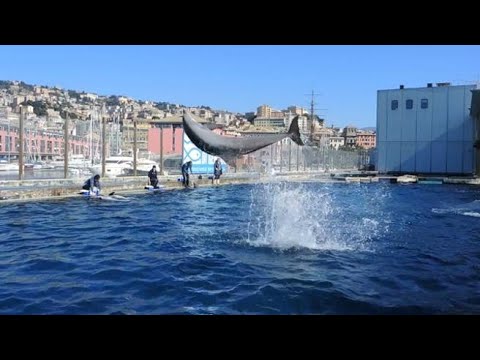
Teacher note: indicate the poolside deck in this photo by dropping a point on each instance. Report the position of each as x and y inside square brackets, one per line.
[41, 189]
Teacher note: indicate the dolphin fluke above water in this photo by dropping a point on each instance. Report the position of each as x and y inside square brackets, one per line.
[230, 148]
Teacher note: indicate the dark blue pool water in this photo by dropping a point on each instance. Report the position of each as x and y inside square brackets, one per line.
[288, 248]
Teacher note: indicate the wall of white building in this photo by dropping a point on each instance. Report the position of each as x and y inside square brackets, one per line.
[436, 137]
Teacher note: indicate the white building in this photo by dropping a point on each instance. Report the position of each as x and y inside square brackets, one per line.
[336, 141]
[425, 130]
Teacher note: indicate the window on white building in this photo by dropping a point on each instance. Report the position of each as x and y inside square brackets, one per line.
[424, 103]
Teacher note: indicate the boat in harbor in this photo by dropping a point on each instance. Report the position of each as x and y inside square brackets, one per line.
[77, 161]
[114, 166]
[7, 166]
[143, 166]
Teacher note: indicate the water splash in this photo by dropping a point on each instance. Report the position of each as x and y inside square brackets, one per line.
[295, 215]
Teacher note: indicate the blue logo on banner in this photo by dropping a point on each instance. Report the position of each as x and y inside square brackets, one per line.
[202, 163]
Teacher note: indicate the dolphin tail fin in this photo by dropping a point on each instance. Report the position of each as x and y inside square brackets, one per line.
[294, 131]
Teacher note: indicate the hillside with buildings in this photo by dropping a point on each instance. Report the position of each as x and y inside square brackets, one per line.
[46, 108]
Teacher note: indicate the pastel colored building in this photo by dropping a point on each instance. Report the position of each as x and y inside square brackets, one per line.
[167, 133]
[38, 144]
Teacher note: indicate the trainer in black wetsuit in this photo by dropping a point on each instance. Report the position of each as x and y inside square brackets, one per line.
[186, 177]
[93, 184]
[217, 171]
[152, 175]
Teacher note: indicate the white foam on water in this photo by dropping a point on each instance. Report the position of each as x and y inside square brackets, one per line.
[292, 215]
[469, 213]
[468, 209]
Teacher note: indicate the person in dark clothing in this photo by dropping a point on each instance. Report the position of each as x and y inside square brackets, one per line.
[93, 185]
[186, 176]
[217, 171]
[152, 175]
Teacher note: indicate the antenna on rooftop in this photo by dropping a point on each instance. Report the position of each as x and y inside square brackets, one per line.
[312, 110]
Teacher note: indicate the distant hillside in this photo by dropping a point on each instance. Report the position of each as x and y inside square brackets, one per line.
[370, 128]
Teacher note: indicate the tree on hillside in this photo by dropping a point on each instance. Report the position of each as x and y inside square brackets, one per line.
[26, 86]
[71, 115]
[161, 105]
[74, 94]
[112, 101]
[5, 84]
[39, 107]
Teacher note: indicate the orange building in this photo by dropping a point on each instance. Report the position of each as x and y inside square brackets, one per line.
[39, 144]
[366, 139]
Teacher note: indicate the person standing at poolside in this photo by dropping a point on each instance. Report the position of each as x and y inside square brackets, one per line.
[217, 172]
[186, 176]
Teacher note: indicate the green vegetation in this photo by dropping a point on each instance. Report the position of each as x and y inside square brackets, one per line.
[71, 115]
[39, 107]
[26, 86]
[161, 105]
[112, 101]
[74, 94]
[5, 84]
[87, 100]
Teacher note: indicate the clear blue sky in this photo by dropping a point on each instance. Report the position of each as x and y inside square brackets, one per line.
[239, 78]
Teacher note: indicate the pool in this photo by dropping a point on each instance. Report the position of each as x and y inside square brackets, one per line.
[278, 248]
